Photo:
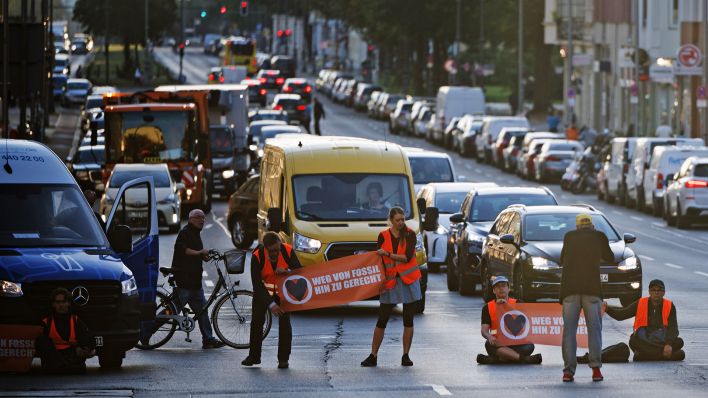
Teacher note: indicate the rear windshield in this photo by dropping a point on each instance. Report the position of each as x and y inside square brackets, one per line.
[701, 170]
[162, 178]
[92, 156]
[288, 102]
[427, 170]
[449, 202]
[77, 86]
[94, 103]
[488, 207]
[553, 227]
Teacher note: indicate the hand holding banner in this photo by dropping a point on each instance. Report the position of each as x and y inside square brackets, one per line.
[332, 283]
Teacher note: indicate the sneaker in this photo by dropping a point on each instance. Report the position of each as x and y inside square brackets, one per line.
[597, 375]
[486, 359]
[567, 377]
[406, 360]
[370, 361]
[250, 362]
[212, 344]
[283, 364]
[535, 359]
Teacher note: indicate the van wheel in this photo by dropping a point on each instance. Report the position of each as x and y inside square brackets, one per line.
[655, 208]
[468, 285]
[111, 359]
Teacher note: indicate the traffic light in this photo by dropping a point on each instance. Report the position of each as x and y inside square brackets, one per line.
[181, 49]
[288, 32]
[244, 8]
[203, 14]
[280, 33]
[222, 10]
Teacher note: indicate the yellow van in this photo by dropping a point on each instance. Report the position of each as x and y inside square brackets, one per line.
[329, 196]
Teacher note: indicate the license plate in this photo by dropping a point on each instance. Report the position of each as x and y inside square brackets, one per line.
[138, 214]
[604, 278]
[99, 341]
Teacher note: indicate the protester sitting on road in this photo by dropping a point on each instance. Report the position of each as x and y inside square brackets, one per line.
[656, 331]
[490, 325]
[65, 342]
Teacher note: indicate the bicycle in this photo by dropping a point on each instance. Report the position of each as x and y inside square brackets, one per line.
[231, 315]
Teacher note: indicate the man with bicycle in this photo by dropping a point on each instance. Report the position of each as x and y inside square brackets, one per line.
[187, 264]
[269, 259]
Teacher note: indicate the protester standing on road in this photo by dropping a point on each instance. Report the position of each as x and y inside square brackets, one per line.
[65, 342]
[396, 245]
[318, 114]
[490, 324]
[90, 195]
[583, 251]
[187, 264]
[269, 259]
[655, 335]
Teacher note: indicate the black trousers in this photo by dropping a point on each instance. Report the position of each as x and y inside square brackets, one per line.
[58, 361]
[285, 331]
[649, 351]
[521, 349]
[317, 127]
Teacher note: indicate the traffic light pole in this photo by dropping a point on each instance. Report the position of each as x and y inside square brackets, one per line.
[520, 100]
[705, 68]
[5, 67]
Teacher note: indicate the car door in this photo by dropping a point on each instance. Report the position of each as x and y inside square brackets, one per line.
[509, 252]
[135, 207]
[494, 247]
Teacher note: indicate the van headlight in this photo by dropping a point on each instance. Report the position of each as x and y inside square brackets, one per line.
[304, 244]
[226, 174]
[130, 287]
[10, 289]
[543, 264]
[419, 242]
[628, 264]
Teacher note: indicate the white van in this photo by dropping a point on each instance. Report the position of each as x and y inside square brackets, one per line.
[665, 161]
[456, 101]
[621, 156]
[642, 159]
[490, 131]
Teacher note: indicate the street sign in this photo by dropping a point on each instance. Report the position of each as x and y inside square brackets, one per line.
[571, 93]
[688, 61]
[661, 74]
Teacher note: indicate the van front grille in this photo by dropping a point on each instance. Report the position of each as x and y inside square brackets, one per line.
[339, 250]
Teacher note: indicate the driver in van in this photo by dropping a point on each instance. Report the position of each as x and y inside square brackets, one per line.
[374, 193]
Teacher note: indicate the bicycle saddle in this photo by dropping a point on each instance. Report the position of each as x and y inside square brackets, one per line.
[166, 271]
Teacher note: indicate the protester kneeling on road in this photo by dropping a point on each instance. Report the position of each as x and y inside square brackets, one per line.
[655, 336]
[65, 342]
[490, 325]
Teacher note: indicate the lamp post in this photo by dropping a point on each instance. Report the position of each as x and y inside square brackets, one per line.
[520, 69]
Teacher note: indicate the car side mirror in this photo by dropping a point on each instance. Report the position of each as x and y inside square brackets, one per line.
[121, 239]
[629, 238]
[431, 219]
[507, 239]
[275, 219]
[422, 205]
[94, 132]
[457, 218]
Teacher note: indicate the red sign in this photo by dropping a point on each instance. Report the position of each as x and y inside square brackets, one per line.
[689, 56]
[539, 323]
[332, 283]
[17, 347]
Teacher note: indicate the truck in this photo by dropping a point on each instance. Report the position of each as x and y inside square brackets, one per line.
[240, 51]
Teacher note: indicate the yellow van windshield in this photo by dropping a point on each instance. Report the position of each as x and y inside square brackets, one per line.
[350, 197]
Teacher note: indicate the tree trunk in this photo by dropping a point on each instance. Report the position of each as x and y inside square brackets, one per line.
[543, 68]
[419, 64]
[127, 61]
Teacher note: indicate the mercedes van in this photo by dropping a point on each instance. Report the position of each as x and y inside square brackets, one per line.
[50, 238]
[329, 196]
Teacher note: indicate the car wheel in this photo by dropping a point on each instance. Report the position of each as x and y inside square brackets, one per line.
[682, 222]
[173, 228]
[239, 236]
[468, 285]
[111, 359]
[670, 220]
[453, 282]
[520, 288]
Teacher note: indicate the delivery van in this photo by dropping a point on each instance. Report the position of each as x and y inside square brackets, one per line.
[329, 196]
[51, 238]
[457, 101]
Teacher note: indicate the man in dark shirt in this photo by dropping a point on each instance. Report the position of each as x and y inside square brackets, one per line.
[280, 259]
[187, 265]
[319, 113]
[583, 251]
[65, 342]
[90, 195]
[656, 331]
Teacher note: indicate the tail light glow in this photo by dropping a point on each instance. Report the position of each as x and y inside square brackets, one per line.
[221, 79]
[301, 107]
[263, 80]
[278, 107]
[287, 89]
[279, 80]
[660, 181]
[552, 158]
[696, 184]
[308, 89]
[263, 91]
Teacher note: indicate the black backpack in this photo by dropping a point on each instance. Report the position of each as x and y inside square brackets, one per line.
[611, 354]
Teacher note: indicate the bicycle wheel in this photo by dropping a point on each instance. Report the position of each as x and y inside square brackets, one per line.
[232, 323]
[163, 329]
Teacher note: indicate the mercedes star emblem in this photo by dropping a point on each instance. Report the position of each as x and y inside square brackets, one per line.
[80, 295]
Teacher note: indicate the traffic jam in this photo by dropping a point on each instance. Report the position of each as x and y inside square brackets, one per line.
[227, 203]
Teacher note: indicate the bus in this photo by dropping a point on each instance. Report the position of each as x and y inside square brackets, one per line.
[241, 51]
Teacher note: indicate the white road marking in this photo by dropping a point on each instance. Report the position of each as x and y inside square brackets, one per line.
[673, 265]
[636, 218]
[701, 273]
[226, 230]
[209, 283]
[208, 226]
[643, 257]
[440, 389]
[658, 224]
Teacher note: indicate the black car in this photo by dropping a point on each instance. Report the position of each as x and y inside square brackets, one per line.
[256, 92]
[298, 86]
[470, 227]
[87, 166]
[294, 106]
[241, 218]
[270, 79]
[285, 64]
[525, 244]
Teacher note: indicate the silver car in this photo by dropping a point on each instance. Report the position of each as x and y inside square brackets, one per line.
[686, 197]
[554, 158]
[77, 90]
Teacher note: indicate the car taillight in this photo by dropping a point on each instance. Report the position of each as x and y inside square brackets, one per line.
[301, 107]
[696, 184]
[263, 80]
[278, 107]
[279, 80]
[552, 159]
[660, 181]
[287, 89]
[221, 79]
[263, 91]
[308, 89]
[211, 77]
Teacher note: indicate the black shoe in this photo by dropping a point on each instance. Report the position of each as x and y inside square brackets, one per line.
[535, 359]
[250, 362]
[212, 344]
[486, 359]
[638, 358]
[406, 360]
[370, 361]
[283, 365]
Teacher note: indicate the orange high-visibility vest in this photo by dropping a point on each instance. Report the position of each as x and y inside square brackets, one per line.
[408, 271]
[267, 273]
[641, 319]
[59, 342]
[492, 307]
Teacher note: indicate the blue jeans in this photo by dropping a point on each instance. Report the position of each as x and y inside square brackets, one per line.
[196, 301]
[592, 309]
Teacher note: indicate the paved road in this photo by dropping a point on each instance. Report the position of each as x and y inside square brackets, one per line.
[329, 344]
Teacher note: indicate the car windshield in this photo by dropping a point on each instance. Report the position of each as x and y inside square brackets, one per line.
[553, 227]
[77, 86]
[118, 178]
[270, 116]
[406, 107]
[221, 141]
[52, 215]
[427, 170]
[92, 156]
[92, 103]
[350, 197]
[488, 207]
[61, 62]
[242, 48]
[701, 170]
[449, 202]
[288, 103]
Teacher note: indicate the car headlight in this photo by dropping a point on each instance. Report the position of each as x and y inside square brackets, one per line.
[304, 244]
[253, 148]
[543, 264]
[260, 153]
[628, 264]
[419, 242]
[10, 289]
[130, 287]
[226, 174]
[441, 230]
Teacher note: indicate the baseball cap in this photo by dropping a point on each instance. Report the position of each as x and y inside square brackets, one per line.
[583, 219]
[657, 282]
[498, 279]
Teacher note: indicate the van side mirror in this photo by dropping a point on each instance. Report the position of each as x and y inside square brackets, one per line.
[94, 132]
[431, 219]
[457, 218]
[275, 219]
[422, 205]
[120, 238]
[629, 238]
